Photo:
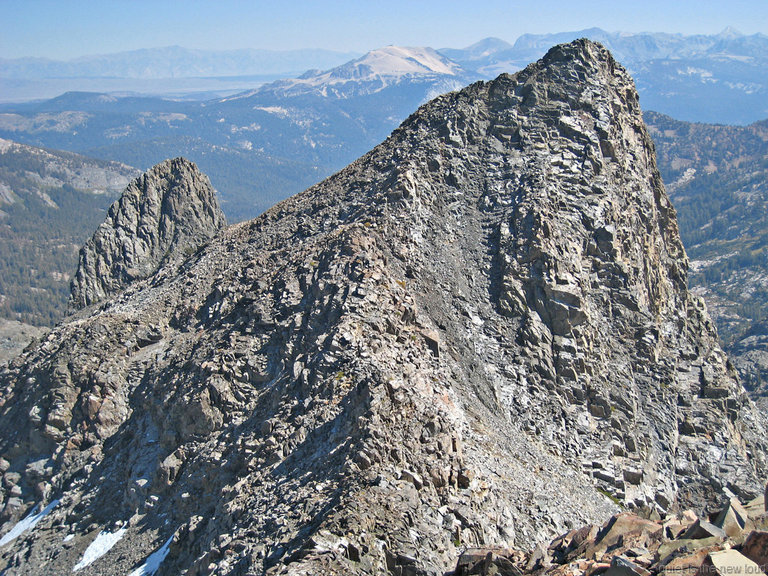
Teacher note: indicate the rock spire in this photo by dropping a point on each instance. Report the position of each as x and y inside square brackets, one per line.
[169, 210]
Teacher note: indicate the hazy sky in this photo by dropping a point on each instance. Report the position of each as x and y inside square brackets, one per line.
[63, 29]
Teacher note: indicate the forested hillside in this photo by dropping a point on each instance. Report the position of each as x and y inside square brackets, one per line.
[50, 203]
[717, 177]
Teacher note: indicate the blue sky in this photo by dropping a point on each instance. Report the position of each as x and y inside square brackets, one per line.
[64, 29]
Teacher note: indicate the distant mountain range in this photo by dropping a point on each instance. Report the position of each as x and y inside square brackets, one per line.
[626, 47]
[264, 144]
[175, 62]
[170, 71]
[720, 78]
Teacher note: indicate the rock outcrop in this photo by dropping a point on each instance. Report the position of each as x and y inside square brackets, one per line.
[170, 210]
[50, 203]
[478, 334]
[630, 545]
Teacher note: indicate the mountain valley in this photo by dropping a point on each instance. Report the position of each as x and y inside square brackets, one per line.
[717, 177]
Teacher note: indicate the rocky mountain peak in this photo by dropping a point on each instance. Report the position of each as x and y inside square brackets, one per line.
[169, 210]
[469, 336]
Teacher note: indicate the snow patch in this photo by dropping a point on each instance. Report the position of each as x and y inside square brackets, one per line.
[748, 88]
[276, 110]
[27, 523]
[705, 76]
[100, 546]
[153, 561]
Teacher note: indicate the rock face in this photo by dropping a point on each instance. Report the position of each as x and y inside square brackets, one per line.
[468, 337]
[169, 210]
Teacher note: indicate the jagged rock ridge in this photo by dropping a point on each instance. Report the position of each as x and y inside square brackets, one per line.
[462, 338]
[170, 209]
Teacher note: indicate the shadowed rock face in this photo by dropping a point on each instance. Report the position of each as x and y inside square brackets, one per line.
[462, 338]
[170, 210]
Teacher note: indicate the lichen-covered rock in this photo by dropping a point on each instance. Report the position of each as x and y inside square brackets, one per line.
[466, 338]
[170, 210]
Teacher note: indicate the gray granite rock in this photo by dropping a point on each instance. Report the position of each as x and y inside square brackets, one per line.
[478, 335]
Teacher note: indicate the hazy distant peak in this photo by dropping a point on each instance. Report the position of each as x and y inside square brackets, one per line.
[729, 32]
[487, 46]
[490, 41]
[530, 40]
[175, 62]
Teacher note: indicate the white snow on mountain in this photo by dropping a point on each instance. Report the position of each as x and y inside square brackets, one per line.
[152, 565]
[27, 523]
[394, 61]
[100, 546]
[372, 72]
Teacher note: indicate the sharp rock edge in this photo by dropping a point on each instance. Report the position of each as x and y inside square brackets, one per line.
[468, 336]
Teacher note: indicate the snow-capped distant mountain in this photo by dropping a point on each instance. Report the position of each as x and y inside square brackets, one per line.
[394, 61]
[375, 71]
